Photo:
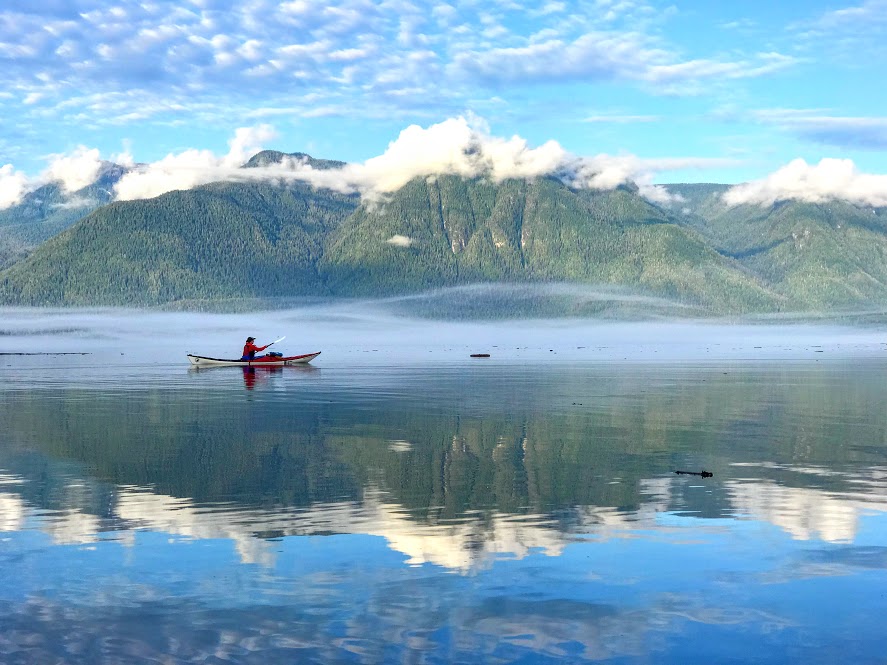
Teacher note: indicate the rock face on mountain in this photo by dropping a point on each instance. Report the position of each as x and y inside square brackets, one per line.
[277, 239]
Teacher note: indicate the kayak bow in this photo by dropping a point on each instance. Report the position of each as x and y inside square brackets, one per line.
[262, 361]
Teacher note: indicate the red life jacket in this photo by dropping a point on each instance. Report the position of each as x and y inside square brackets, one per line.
[250, 349]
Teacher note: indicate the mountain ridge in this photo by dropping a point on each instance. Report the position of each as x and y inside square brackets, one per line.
[283, 239]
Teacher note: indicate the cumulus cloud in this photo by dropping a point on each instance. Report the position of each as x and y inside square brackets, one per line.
[465, 147]
[13, 185]
[71, 171]
[462, 146]
[192, 168]
[74, 171]
[799, 181]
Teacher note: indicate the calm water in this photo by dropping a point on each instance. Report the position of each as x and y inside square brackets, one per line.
[391, 508]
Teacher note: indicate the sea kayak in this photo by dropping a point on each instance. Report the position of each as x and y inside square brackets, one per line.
[261, 361]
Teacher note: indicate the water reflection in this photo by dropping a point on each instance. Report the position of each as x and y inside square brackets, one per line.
[464, 544]
[523, 512]
[448, 488]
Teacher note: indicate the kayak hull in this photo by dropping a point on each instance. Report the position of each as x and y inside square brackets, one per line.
[203, 361]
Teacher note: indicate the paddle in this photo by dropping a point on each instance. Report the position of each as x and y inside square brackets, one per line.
[279, 339]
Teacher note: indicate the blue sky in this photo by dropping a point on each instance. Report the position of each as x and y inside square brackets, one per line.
[722, 92]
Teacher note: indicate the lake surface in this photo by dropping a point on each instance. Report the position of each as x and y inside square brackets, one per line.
[399, 501]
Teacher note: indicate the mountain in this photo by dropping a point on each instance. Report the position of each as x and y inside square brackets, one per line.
[263, 239]
[245, 240]
[269, 157]
[467, 231]
[48, 210]
[821, 256]
[218, 241]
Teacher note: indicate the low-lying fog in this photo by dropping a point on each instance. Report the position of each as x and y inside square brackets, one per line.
[362, 333]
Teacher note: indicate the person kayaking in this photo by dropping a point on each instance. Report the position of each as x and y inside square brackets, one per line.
[250, 349]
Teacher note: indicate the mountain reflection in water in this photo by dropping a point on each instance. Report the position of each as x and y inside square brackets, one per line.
[548, 491]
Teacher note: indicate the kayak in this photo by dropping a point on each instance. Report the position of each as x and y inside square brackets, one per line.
[261, 361]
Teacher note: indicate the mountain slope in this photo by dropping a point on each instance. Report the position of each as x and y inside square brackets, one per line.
[468, 231]
[820, 256]
[49, 210]
[270, 157]
[218, 241]
[253, 239]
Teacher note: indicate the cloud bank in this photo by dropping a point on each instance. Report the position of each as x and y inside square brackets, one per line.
[831, 179]
[72, 172]
[13, 186]
[460, 146]
[192, 168]
[75, 171]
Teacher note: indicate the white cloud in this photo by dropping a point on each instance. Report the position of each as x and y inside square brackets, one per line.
[74, 171]
[697, 70]
[13, 185]
[609, 55]
[192, 168]
[76, 202]
[867, 15]
[799, 181]
[453, 147]
[852, 35]
[845, 131]
[461, 146]
[394, 58]
[400, 241]
[606, 172]
[247, 142]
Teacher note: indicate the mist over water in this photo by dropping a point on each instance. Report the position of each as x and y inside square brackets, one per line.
[397, 500]
[369, 332]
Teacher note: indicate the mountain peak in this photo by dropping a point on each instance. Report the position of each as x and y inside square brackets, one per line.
[271, 157]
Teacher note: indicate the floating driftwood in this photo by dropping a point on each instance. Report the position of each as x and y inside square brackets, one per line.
[704, 474]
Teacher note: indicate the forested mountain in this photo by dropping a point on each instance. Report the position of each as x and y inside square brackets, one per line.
[467, 231]
[245, 240]
[821, 256]
[268, 157]
[48, 210]
[277, 239]
[213, 242]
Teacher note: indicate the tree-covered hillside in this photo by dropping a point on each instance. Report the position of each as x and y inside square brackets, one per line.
[278, 239]
[821, 256]
[465, 231]
[49, 210]
[218, 241]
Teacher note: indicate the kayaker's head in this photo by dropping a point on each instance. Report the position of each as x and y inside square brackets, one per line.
[250, 339]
